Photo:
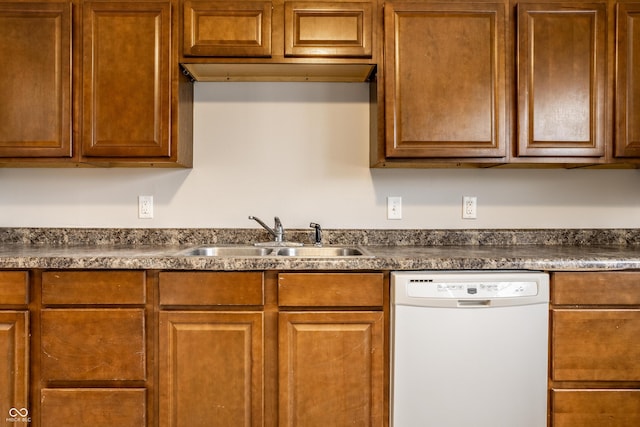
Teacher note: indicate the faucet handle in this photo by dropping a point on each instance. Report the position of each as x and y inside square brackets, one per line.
[317, 234]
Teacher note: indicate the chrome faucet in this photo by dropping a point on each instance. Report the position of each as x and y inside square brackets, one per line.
[277, 231]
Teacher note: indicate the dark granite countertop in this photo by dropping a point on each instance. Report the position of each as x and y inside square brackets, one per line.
[552, 250]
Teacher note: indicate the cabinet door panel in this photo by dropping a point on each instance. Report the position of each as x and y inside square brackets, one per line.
[14, 286]
[35, 83]
[561, 79]
[595, 345]
[211, 369]
[93, 345]
[596, 288]
[226, 28]
[93, 287]
[331, 369]
[595, 408]
[328, 29]
[209, 288]
[330, 289]
[445, 80]
[14, 363]
[126, 79]
[95, 407]
[628, 81]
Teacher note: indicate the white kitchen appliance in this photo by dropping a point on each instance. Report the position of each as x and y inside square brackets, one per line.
[469, 349]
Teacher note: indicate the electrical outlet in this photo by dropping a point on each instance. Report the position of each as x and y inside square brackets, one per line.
[394, 207]
[145, 207]
[469, 207]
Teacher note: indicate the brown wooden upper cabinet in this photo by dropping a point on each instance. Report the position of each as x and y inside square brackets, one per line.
[513, 82]
[126, 79]
[227, 28]
[276, 29]
[35, 83]
[444, 80]
[627, 124]
[92, 82]
[561, 80]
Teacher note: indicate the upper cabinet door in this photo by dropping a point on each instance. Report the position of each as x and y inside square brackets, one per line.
[627, 127]
[126, 79]
[35, 82]
[445, 80]
[561, 79]
[227, 28]
[328, 29]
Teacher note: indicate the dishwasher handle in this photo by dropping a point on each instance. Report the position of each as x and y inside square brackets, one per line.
[474, 302]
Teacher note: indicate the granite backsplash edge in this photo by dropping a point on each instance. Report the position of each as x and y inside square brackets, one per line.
[387, 237]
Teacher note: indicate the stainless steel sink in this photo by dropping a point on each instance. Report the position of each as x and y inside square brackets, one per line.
[319, 252]
[230, 251]
[262, 251]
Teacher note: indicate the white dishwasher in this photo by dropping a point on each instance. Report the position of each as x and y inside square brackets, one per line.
[469, 348]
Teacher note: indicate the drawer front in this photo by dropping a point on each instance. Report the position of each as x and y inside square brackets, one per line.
[93, 287]
[330, 289]
[596, 345]
[227, 28]
[329, 29]
[95, 407]
[211, 288]
[14, 287]
[93, 345]
[602, 288]
[595, 408]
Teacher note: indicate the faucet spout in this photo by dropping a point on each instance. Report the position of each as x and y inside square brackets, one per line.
[277, 231]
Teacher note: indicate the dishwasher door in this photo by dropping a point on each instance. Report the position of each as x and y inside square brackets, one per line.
[469, 349]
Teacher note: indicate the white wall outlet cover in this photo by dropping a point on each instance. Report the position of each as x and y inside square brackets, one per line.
[394, 207]
[469, 207]
[145, 207]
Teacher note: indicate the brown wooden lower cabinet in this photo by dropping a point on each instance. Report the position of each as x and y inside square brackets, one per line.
[211, 369]
[595, 408]
[93, 407]
[14, 347]
[331, 369]
[595, 349]
[94, 362]
[305, 349]
[14, 364]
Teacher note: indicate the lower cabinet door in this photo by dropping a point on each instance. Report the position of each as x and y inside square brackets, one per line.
[14, 372]
[211, 369]
[93, 345]
[331, 369]
[93, 407]
[595, 408]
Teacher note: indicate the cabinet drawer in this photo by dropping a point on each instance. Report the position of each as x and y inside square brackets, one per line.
[602, 288]
[330, 289]
[596, 345]
[93, 287]
[96, 407]
[211, 289]
[98, 345]
[227, 28]
[328, 29]
[13, 287]
[595, 408]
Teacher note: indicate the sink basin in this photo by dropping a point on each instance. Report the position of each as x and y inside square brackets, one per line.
[261, 251]
[231, 251]
[325, 251]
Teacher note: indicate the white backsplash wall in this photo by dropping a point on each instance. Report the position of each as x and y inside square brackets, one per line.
[300, 151]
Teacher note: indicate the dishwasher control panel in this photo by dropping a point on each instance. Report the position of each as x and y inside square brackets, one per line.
[469, 288]
[421, 288]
